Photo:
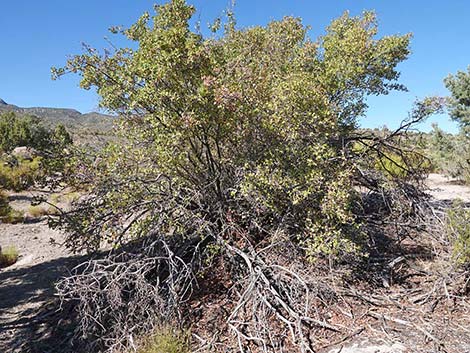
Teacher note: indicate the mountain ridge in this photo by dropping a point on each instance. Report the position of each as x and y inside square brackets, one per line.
[71, 118]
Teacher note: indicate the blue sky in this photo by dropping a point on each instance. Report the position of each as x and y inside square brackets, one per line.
[36, 35]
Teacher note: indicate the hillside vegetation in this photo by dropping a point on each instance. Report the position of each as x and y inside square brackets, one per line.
[70, 118]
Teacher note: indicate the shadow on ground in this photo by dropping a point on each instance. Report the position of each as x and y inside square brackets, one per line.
[29, 318]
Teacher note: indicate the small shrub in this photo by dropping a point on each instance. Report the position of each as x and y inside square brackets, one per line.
[400, 166]
[8, 256]
[458, 226]
[55, 199]
[7, 214]
[39, 211]
[13, 217]
[71, 197]
[20, 176]
[167, 340]
[4, 206]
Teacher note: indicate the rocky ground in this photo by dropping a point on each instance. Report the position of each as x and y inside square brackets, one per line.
[27, 287]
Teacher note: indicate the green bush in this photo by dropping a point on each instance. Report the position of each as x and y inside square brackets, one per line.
[8, 256]
[236, 141]
[7, 214]
[458, 226]
[21, 174]
[449, 153]
[13, 217]
[251, 121]
[402, 165]
[28, 131]
[4, 205]
[18, 131]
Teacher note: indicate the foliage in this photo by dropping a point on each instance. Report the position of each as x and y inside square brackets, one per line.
[238, 143]
[13, 217]
[8, 214]
[441, 149]
[449, 153]
[459, 109]
[8, 256]
[20, 174]
[167, 340]
[21, 131]
[459, 231]
[402, 165]
[459, 87]
[461, 157]
[4, 206]
[249, 122]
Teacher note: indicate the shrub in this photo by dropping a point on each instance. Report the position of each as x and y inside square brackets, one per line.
[250, 129]
[4, 205]
[20, 174]
[459, 110]
[402, 165]
[13, 217]
[42, 210]
[71, 197]
[8, 256]
[55, 198]
[18, 130]
[233, 142]
[458, 226]
[450, 153]
[167, 340]
[7, 214]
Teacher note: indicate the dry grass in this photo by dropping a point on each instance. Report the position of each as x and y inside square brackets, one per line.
[8, 256]
[72, 196]
[12, 217]
[40, 210]
[167, 340]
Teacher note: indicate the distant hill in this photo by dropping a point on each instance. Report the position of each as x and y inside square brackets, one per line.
[71, 118]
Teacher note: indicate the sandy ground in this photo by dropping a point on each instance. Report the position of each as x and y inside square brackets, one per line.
[446, 188]
[27, 287]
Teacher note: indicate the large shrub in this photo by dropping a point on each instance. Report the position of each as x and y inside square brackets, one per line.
[240, 144]
[250, 119]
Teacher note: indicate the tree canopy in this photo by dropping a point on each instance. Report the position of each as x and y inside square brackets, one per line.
[459, 87]
[17, 130]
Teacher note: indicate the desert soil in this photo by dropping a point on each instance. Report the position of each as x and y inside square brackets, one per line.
[447, 188]
[27, 287]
